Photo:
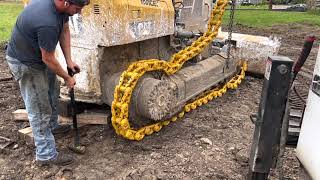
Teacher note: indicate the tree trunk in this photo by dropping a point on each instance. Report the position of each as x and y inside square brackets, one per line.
[311, 4]
[270, 5]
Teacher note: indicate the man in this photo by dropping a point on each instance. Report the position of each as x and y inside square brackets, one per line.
[31, 58]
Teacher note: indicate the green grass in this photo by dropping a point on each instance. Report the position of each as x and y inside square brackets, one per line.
[8, 16]
[262, 18]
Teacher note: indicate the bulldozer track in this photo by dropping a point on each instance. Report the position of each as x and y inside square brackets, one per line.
[130, 77]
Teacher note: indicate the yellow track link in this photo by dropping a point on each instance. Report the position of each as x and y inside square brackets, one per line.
[130, 77]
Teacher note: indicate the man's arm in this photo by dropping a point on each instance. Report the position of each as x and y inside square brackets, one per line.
[50, 60]
[64, 40]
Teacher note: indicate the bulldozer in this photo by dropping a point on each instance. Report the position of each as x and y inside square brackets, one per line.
[151, 61]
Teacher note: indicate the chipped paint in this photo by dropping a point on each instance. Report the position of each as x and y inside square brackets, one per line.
[111, 23]
[150, 2]
[140, 29]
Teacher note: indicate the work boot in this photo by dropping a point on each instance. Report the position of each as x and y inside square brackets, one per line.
[61, 129]
[62, 159]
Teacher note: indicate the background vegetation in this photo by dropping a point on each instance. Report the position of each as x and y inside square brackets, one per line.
[264, 18]
[8, 15]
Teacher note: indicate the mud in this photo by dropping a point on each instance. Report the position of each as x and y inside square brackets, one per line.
[211, 142]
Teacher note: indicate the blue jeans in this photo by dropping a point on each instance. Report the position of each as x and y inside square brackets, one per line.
[40, 91]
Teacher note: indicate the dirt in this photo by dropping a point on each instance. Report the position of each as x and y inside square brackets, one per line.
[211, 142]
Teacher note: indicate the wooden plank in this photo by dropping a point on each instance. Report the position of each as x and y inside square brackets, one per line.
[20, 115]
[83, 118]
[87, 118]
[26, 134]
[26, 130]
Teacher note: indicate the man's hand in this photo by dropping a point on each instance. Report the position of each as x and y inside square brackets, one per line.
[70, 82]
[73, 66]
[49, 59]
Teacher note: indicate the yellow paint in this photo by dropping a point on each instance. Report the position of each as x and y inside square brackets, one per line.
[115, 19]
[111, 21]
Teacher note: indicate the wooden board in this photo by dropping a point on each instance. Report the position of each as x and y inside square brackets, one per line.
[87, 118]
[26, 134]
[83, 118]
[20, 115]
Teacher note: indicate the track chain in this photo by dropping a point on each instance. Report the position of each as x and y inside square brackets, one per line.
[130, 77]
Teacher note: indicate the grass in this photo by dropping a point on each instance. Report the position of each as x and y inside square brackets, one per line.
[261, 18]
[8, 16]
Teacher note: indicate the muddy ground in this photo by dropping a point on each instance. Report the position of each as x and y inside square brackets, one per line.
[211, 142]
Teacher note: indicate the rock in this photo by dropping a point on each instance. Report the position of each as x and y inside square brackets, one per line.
[15, 146]
[27, 163]
[206, 141]
[216, 149]
[149, 175]
[155, 155]
[181, 158]
[234, 150]
[134, 174]
[188, 122]
[64, 173]
[242, 156]
[231, 149]
[187, 154]
[198, 136]
[47, 174]
[27, 151]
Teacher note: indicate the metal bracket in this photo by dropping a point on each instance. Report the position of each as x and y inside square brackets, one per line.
[316, 85]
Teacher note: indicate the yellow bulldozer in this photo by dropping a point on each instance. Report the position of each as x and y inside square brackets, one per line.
[151, 61]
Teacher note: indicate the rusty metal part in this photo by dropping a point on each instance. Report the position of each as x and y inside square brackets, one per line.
[152, 98]
[194, 79]
[155, 99]
[130, 77]
[76, 147]
[160, 99]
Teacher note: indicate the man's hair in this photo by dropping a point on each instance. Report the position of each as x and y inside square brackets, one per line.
[79, 2]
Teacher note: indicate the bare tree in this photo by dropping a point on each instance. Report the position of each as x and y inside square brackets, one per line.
[311, 4]
[270, 5]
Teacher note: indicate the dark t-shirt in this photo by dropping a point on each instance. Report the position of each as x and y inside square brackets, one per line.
[38, 26]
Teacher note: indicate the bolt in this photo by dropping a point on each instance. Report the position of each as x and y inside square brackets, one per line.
[282, 69]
